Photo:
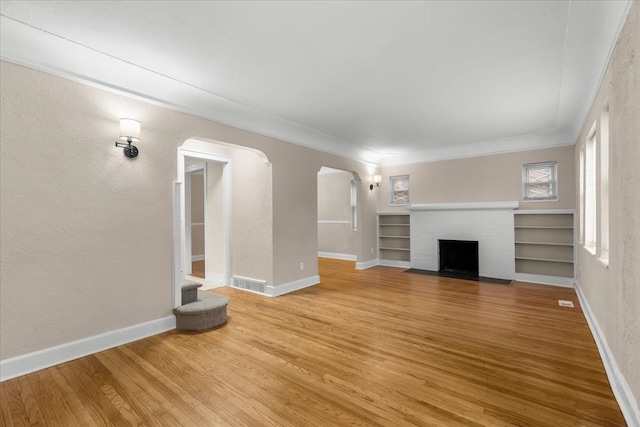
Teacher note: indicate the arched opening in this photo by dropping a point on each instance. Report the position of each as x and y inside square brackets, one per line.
[338, 193]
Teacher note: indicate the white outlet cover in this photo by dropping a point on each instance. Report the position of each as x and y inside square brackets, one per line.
[565, 303]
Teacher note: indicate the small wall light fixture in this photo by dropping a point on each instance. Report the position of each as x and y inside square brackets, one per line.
[129, 132]
[377, 179]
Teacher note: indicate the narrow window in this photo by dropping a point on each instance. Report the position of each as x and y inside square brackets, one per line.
[399, 189]
[590, 194]
[354, 205]
[604, 184]
[540, 182]
[581, 209]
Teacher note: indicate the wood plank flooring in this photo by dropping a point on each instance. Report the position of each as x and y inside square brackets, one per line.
[377, 347]
[197, 269]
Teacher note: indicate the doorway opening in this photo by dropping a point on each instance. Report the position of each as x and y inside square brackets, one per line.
[212, 226]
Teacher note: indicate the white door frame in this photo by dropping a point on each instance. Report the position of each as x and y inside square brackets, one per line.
[180, 258]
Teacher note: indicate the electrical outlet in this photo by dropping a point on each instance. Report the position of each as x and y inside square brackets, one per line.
[565, 303]
[301, 266]
[371, 250]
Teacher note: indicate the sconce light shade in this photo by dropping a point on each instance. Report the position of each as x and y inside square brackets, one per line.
[377, 179]
[129, 132]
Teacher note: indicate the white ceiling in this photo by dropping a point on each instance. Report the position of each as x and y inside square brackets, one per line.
[422, 80]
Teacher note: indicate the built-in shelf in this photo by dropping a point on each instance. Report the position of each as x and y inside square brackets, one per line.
[545, 259]
[545, 242]
[394, 239]
[551, 227]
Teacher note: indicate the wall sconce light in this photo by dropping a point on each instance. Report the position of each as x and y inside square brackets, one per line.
[377, 179]
[129, 132]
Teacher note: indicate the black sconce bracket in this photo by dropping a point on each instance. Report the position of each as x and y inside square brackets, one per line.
[130, 151]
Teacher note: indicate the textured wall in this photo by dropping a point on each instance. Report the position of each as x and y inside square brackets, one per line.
[214, 219]
[613, 292]
[86, 241]
[481, 179]
[334, 196]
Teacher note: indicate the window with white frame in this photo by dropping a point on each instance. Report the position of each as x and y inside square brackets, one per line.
[354, 205]
[540, 182]
[590, 194]
[399, 186]
[604, 184]
[582, 196]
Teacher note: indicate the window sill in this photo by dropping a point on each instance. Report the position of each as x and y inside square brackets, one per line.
[539, 200]
[591, 250]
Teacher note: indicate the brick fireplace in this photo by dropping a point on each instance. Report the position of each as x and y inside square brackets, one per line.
[491, 224]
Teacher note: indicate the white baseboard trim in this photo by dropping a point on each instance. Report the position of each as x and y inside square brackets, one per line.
[565, 282]
[366, 264]
[619, 385]
[197, 257]
[275, 291]
[41, 359]
[332, 255]
[392, 263]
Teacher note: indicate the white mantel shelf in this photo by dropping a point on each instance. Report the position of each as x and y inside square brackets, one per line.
[464, 206]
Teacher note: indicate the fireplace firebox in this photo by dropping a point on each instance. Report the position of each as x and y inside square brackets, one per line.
[459, 257]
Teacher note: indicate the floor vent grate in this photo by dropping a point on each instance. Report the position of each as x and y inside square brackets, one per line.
[565, 303]
[253, 285]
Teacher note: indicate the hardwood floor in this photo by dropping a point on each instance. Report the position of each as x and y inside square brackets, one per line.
[197, 269]
[377, 347]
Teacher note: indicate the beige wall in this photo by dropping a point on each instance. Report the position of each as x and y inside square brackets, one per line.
[197, 214]
[334, 204]
[214, 220]
[88, 237]
[481, 179]
[334, 196]
[252, 218]
[613, 292]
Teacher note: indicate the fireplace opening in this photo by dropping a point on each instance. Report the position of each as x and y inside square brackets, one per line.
[459, 257]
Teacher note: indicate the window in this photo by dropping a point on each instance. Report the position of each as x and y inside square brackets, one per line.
[399, 189]
[354, 205]
[540, 182]
[590, 194]
[581, 195]
[604, 184]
